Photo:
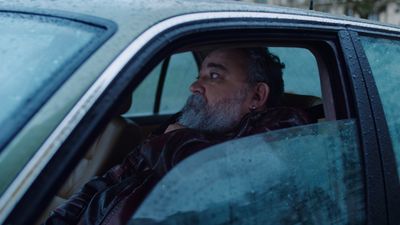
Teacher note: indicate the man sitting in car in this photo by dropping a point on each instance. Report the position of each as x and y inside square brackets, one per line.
[236, 94]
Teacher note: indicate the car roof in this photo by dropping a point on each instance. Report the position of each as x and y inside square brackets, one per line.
[141, 14]
[133, 17]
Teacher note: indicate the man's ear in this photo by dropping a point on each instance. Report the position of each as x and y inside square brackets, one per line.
[260, 96]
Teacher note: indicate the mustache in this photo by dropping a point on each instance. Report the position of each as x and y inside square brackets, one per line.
[195, 100]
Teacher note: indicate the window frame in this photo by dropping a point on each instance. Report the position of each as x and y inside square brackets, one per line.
[72, 148]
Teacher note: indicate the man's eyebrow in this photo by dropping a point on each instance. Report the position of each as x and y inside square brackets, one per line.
[216, 65]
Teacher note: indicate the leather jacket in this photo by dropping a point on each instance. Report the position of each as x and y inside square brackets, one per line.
[113, 197]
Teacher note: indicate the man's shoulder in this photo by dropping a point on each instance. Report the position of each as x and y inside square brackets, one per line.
[273, 119]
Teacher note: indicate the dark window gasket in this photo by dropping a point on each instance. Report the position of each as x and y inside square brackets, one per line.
[11, 127]
[160, 85]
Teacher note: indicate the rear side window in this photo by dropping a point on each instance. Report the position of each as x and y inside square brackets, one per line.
[145, 94]
[383, 57]
[180, 75]
[301, 175]
[301, 75]
[181, 70]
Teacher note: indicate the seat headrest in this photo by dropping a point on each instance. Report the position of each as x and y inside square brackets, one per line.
[300, 101]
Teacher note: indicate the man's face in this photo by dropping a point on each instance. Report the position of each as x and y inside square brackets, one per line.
[221, 94]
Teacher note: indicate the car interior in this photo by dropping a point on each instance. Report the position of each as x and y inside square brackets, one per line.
[158, 97]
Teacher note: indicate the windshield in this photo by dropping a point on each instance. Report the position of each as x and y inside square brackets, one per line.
[36, 54]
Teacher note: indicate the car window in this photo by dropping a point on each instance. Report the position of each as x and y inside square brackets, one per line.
[301, 76]
[301, 70]
[383, 57]
[144, 96]
[181, 72]
[37, 54]
[303, 175]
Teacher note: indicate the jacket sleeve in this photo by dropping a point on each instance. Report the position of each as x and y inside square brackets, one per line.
[71, 211]
[154, 157]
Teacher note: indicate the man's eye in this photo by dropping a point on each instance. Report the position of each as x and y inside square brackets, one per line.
[214, 75]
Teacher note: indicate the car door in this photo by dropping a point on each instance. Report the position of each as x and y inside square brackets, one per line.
[279, 177]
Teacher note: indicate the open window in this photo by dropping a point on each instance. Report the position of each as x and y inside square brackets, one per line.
[174, 75]
[307, 82]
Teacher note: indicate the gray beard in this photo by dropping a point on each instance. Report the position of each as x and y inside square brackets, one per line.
[221, 117]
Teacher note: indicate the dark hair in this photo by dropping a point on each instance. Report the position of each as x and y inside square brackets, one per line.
[266, 67]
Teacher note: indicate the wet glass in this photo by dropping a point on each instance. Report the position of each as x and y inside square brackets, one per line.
[36, 54]
[33, 51]
[383, 57]
[303, 175]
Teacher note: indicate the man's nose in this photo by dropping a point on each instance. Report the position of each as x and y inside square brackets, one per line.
[197, 87]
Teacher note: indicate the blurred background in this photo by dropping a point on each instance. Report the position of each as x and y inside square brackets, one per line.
[387, 11]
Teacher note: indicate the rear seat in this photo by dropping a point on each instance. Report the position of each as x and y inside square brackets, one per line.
[311, 104]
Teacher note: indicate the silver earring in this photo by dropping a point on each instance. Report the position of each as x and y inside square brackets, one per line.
[253, 107]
